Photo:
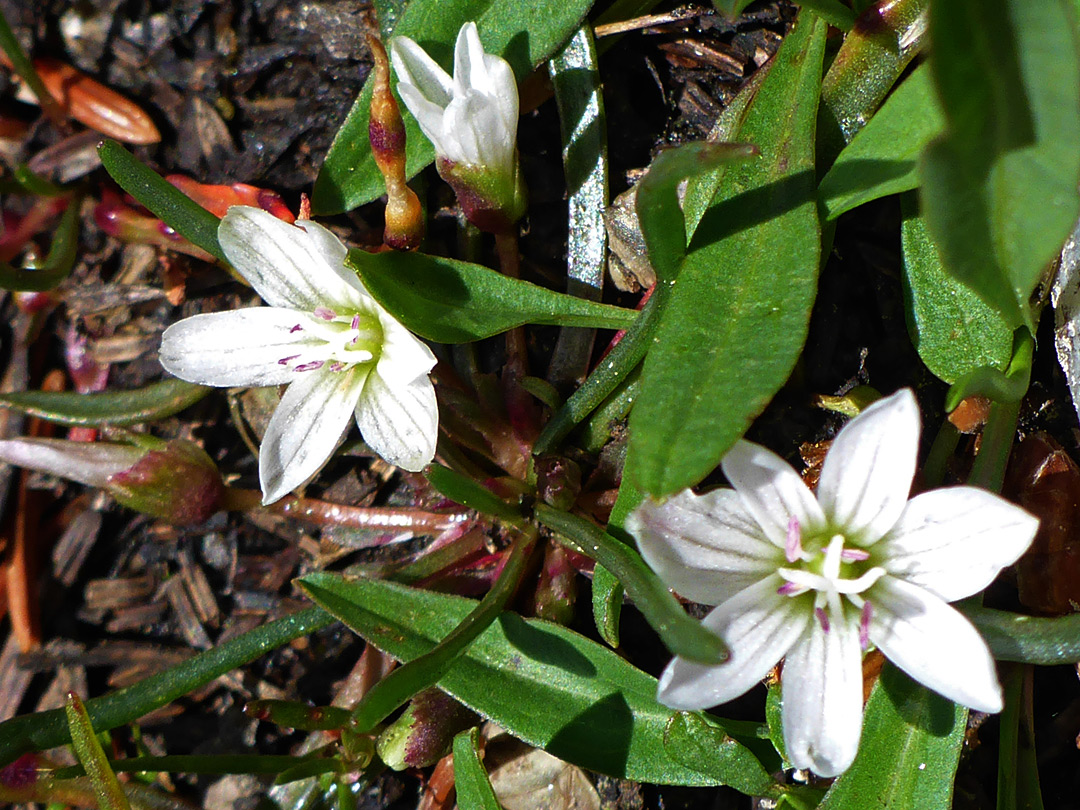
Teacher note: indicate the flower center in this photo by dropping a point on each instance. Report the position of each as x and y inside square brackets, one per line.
[338, 341]
[834, 573]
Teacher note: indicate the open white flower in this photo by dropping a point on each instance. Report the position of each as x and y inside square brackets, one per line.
[471, 120]
[340, 353]
[817, 580]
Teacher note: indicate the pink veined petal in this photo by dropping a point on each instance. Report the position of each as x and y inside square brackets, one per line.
[306, 428]
[284, 263]
[399, 422]
[866, 477]
[414, 67]
[706, 547]
[759, 626]
[404, 357]
[822, 693]
[933, 644]
[239, 347]
[772, 491]
[954, 541]
[334, 254]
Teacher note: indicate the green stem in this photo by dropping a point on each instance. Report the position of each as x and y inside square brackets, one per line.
[22, 65]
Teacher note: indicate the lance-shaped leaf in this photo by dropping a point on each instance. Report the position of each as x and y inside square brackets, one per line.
[999, 188]
[738, 315]
[120, 408]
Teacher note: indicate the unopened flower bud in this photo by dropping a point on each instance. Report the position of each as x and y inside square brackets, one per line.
[424, 732]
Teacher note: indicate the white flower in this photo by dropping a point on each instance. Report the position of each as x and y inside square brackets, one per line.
[340, 353]
[817, 580]
[470, 119]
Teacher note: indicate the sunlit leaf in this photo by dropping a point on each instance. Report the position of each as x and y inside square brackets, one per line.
[120, 408]
[470, 779]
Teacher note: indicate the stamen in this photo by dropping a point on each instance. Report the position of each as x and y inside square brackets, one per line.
[284, 361]
[356, 322]
[297, 328]
[791, 589]
[314, 364]
[864, 625]
[823, 618]
[854, 555]
[337, 366]
[793, 546]
[325, 313]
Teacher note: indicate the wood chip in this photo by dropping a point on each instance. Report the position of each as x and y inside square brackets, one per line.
[119, 592]
[187, 620]
[71, 551]
[198, 588]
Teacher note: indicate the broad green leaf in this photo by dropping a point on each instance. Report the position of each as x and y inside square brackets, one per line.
[1027, 639]
[909, 751]
[954, 331]
[44, 730]
[166, 201]
[541, 682]
[874, 54]
[119, 408]
[525, 34]
[58, 262]
[470, 779]
[833, 12]
[682, 634]
[738, 315]
[451, 301]
[999, 187]
[92, 757]
[882, 159]
[701, 745]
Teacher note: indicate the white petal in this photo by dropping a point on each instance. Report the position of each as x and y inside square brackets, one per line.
[427, 114]
[403, 357]
[867, 474]
[772, 491]
[933, 644]
[954, 541]
[306, 428]
[285, 264]
[759, 626]
[479, 133]
[503, 89]
[822, 692]
[414, 67]
[89, 463]
[469, 68]
[706, 547]
[240, 347]
[399, 422]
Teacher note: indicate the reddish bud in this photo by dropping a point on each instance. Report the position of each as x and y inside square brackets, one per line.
[178, 483]
[218, 199]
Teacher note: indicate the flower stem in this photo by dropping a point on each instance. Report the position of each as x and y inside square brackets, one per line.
[325, 513]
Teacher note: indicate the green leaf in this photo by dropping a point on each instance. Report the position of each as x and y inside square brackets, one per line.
[954, 331]
[470, 779]
[999, 188]
[426, 670]
[833, 12]
[682, 634]
[92, 757]
[59, 261]
[525, 34]
[738, 315]
[206, 764]
[44, 730]
[166, 201]
[607, 597]
[119, 408]
[464, 490]
[451, 301]
[909, 750]
[1027, 639]
[541, 682]
[701, 745]
[882, 159]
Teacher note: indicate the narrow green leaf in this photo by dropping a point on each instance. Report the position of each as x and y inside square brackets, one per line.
[1027, 639]
[9, 43]
[909, 751]
[774, 718]
[874, 55]
[295, 715]
[43, 730]
[464, 490]
[33, 183]
[607, 598]
[470, 779]
[541, 682]
[58, 262]
[429, 668]
[683, 635]
[166, 201]
[833, 12]
[120, 408]
[451, 301]
[701, 745]
[207, 764]
[525, 34]
[92, 757]
[739, 313]
[954, 331]
[882, 159]
[999, 188]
